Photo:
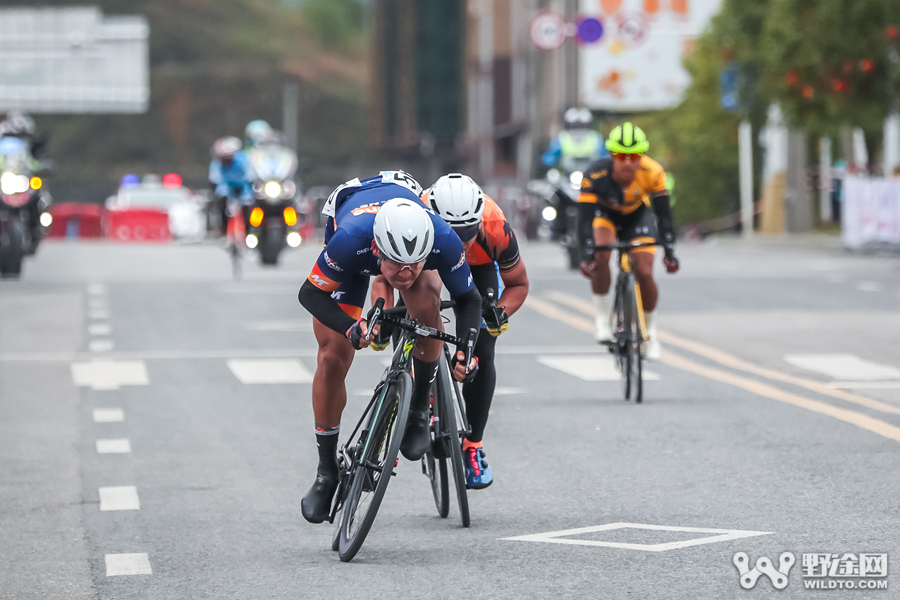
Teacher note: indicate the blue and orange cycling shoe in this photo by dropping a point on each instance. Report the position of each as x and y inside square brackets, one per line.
[478, 473]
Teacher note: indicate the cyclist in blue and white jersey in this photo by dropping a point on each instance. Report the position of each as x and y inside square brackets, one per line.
[380, 226]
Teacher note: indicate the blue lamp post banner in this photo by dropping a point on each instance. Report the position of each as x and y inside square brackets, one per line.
[728, 85]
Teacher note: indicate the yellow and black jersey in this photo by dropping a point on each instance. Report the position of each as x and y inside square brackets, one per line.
[598, 186]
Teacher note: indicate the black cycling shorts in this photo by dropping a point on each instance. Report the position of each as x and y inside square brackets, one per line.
[638, 226]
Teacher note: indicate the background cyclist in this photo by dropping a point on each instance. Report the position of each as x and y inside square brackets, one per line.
[379, 226]
[231, 176]
[616, 194]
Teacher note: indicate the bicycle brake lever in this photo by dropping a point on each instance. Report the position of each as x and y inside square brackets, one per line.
[374, 316]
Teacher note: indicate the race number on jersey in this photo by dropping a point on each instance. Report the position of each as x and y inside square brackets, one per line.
[402, 178]
[331, 203]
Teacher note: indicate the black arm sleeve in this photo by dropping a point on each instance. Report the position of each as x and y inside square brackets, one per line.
[664, 217]
[468, 312]
[585, 229]
[322, 306]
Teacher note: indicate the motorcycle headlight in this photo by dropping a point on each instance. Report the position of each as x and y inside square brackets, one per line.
[10, 183]
[288, 189]
[46, 219]
[549, 213]
[575, 178]
[273, 189]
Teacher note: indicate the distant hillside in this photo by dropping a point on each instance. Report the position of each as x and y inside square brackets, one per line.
[215, 65]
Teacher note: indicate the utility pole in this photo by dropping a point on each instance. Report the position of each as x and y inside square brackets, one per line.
[291, 101]
[745, 142]
[486, 88]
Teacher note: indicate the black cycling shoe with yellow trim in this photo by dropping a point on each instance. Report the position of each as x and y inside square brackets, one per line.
[316, 504]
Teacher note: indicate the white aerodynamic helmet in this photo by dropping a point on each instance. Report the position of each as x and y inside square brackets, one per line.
[403, 231]
[457, 199]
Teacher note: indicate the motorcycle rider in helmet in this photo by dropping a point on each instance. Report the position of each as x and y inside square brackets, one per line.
[257, 133]
[231, 176]
[20, 125]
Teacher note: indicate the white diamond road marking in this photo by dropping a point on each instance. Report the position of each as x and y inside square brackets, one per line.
[110, 374]
[118, 446]
[128, 564]
[559, 537]
[589, 368]
[98, 313]
[96, 289]
[269, 371]
[99, 329]
[845, 367]
[104, 345]
[108, 415]
[119, 498]
[278, 326]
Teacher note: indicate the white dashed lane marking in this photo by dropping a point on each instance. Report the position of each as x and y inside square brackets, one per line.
[117, 446]
[99, 329]
[104, 345]
[96, 289]
[128, 564]
[589, 368]
[98, 303]
[98, 313]
[108, 415]
[269, 371]
[110, 374]
[868, 286]
[278, 326]
[845, 367]
[119, 498]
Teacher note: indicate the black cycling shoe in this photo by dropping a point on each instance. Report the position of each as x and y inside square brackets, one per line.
[316, 504]
[416, 440]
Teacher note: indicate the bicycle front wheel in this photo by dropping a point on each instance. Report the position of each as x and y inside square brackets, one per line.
[624, 310]
[374, 459]
[445, 400]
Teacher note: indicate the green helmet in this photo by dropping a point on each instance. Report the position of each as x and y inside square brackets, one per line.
[627, 139]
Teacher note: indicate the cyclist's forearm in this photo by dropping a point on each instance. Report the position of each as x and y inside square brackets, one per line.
[382, 289]
[664, 217]
[515, 289]
[322, 306]
[468, 312]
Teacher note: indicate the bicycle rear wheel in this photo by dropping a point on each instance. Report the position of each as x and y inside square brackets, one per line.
[374, 457]
[637, 380]
[445, 398]
[435, 469]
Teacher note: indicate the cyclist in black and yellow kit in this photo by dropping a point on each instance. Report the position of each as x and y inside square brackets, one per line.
[615, 200]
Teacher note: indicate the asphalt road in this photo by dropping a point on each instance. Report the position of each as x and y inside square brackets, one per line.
[773, 415]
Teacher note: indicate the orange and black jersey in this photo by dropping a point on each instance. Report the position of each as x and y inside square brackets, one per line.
[495, 242]
[598, 186]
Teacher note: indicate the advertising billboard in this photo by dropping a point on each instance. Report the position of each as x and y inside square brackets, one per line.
[636, 65]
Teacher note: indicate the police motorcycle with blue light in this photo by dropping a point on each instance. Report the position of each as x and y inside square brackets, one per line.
[23, 201]
[274, 220]
[571, 152]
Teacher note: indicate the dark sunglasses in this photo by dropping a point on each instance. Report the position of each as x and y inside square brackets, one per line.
[467, 233]
[624, 157]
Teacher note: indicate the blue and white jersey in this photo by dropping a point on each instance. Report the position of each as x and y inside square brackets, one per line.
[348, 235]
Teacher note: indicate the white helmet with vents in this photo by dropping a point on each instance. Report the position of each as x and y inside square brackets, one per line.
[457, 199]
[403, 231]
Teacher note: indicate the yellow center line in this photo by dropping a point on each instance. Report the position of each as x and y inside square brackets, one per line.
[552, 311]
[729, 360]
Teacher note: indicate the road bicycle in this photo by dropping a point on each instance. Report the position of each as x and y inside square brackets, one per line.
[367, 460]
[630, 330]
[448, 426]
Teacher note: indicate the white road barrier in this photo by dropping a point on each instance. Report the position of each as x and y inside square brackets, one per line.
[870, 211]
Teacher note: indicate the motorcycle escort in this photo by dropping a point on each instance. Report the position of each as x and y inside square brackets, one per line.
[560, 191]
[23, 204]
[274, 222]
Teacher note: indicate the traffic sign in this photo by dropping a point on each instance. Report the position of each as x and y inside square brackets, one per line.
[548, 31]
